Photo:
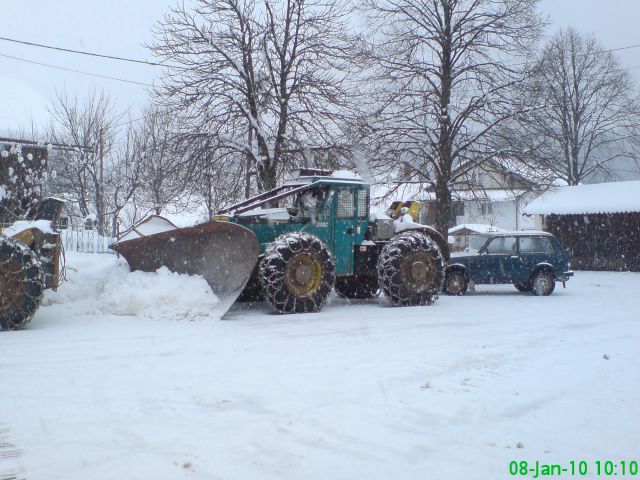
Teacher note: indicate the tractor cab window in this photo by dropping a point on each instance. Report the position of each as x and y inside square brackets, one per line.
[310, 203]
[361, 196]
[345, 206]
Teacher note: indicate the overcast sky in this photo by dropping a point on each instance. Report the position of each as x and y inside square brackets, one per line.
[121, 27]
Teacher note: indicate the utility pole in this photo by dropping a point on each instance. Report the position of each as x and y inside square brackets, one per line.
[101, 183]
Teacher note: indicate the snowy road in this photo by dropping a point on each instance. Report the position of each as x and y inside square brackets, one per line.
[360, 391]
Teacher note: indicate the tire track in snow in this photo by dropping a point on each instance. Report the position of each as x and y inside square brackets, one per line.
[9, 455]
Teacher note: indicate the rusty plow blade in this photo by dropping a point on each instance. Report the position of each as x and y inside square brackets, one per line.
[223, 253]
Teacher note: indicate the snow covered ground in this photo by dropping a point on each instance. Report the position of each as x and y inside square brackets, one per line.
[131, 376]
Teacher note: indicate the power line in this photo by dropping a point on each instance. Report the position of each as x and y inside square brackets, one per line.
[160, 64]
[76, 71]
[90, 54]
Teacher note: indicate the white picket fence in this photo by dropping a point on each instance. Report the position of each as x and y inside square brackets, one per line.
[81, 238]
[78, 238]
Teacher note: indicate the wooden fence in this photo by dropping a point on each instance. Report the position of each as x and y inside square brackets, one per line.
[599, 241]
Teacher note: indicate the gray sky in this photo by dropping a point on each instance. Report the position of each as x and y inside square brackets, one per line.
[120, 27]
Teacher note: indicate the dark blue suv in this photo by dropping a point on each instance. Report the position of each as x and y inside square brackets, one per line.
[532, 261]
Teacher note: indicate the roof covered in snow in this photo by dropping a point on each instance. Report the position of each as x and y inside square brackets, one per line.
[382, 193]
[614, 197]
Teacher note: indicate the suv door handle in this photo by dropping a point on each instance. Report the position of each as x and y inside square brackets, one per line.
[515, 256]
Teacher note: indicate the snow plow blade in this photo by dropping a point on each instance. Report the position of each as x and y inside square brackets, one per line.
[223, 253]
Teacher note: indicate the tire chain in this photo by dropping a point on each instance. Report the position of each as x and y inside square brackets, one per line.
[29, 273]
[389, 269]
[272, 273]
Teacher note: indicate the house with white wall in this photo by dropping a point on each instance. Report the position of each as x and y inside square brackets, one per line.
[493, 193]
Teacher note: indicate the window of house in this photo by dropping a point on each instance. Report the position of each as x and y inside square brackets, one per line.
[486, 208]
[458, 209]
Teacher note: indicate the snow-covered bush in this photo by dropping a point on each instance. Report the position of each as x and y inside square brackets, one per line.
[22, 176]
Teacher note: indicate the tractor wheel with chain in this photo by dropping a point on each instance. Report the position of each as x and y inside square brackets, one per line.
[21, 284]
[411, 269]
[297, 273]
[357, 286]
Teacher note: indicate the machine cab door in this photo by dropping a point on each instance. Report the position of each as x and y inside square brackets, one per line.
[344, 224]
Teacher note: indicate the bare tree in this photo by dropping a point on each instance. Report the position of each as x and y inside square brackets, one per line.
[441, 71]
[164, 169]
[588, 110]
[124, 181]
[88, 128]
[255, 80]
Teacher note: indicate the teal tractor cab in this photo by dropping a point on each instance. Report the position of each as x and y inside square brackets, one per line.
[292, 245]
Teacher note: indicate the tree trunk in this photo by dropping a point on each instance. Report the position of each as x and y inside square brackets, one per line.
[443, 207]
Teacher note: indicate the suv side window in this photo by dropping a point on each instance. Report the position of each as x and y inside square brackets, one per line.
[502, 246]
[535, 245]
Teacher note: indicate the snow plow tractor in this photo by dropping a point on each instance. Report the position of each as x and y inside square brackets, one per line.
[291, 246]
[30, 252]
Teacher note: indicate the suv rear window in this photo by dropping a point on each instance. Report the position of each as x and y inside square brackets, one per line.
[502, 246]
[535, 245]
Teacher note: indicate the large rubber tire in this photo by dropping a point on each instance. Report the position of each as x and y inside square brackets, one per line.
[357, 287]
[456, 282]
[21, 284]
[411, 269]
[297, 273]
[542, 283]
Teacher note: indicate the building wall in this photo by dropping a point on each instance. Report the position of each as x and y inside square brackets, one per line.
[599, 241]
[506, 214]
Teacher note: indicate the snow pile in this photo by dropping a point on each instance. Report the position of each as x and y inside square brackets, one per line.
[377, 213]
[22, 225]
[356, 391]
[614, 197]
[107, 286]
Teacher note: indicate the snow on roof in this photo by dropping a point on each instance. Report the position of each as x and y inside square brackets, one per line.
[382, 193]
[148, 226]
[614, 197]
[536, 174]
[20, 226]
[476, 228]
[346, 175]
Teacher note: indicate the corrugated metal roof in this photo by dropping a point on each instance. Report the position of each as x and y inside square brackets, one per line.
[614, 197]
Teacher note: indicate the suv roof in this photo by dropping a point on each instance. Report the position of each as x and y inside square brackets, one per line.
[520, 233]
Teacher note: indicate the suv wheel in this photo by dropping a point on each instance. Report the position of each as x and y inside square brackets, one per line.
[455, 283]
[542, 283]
